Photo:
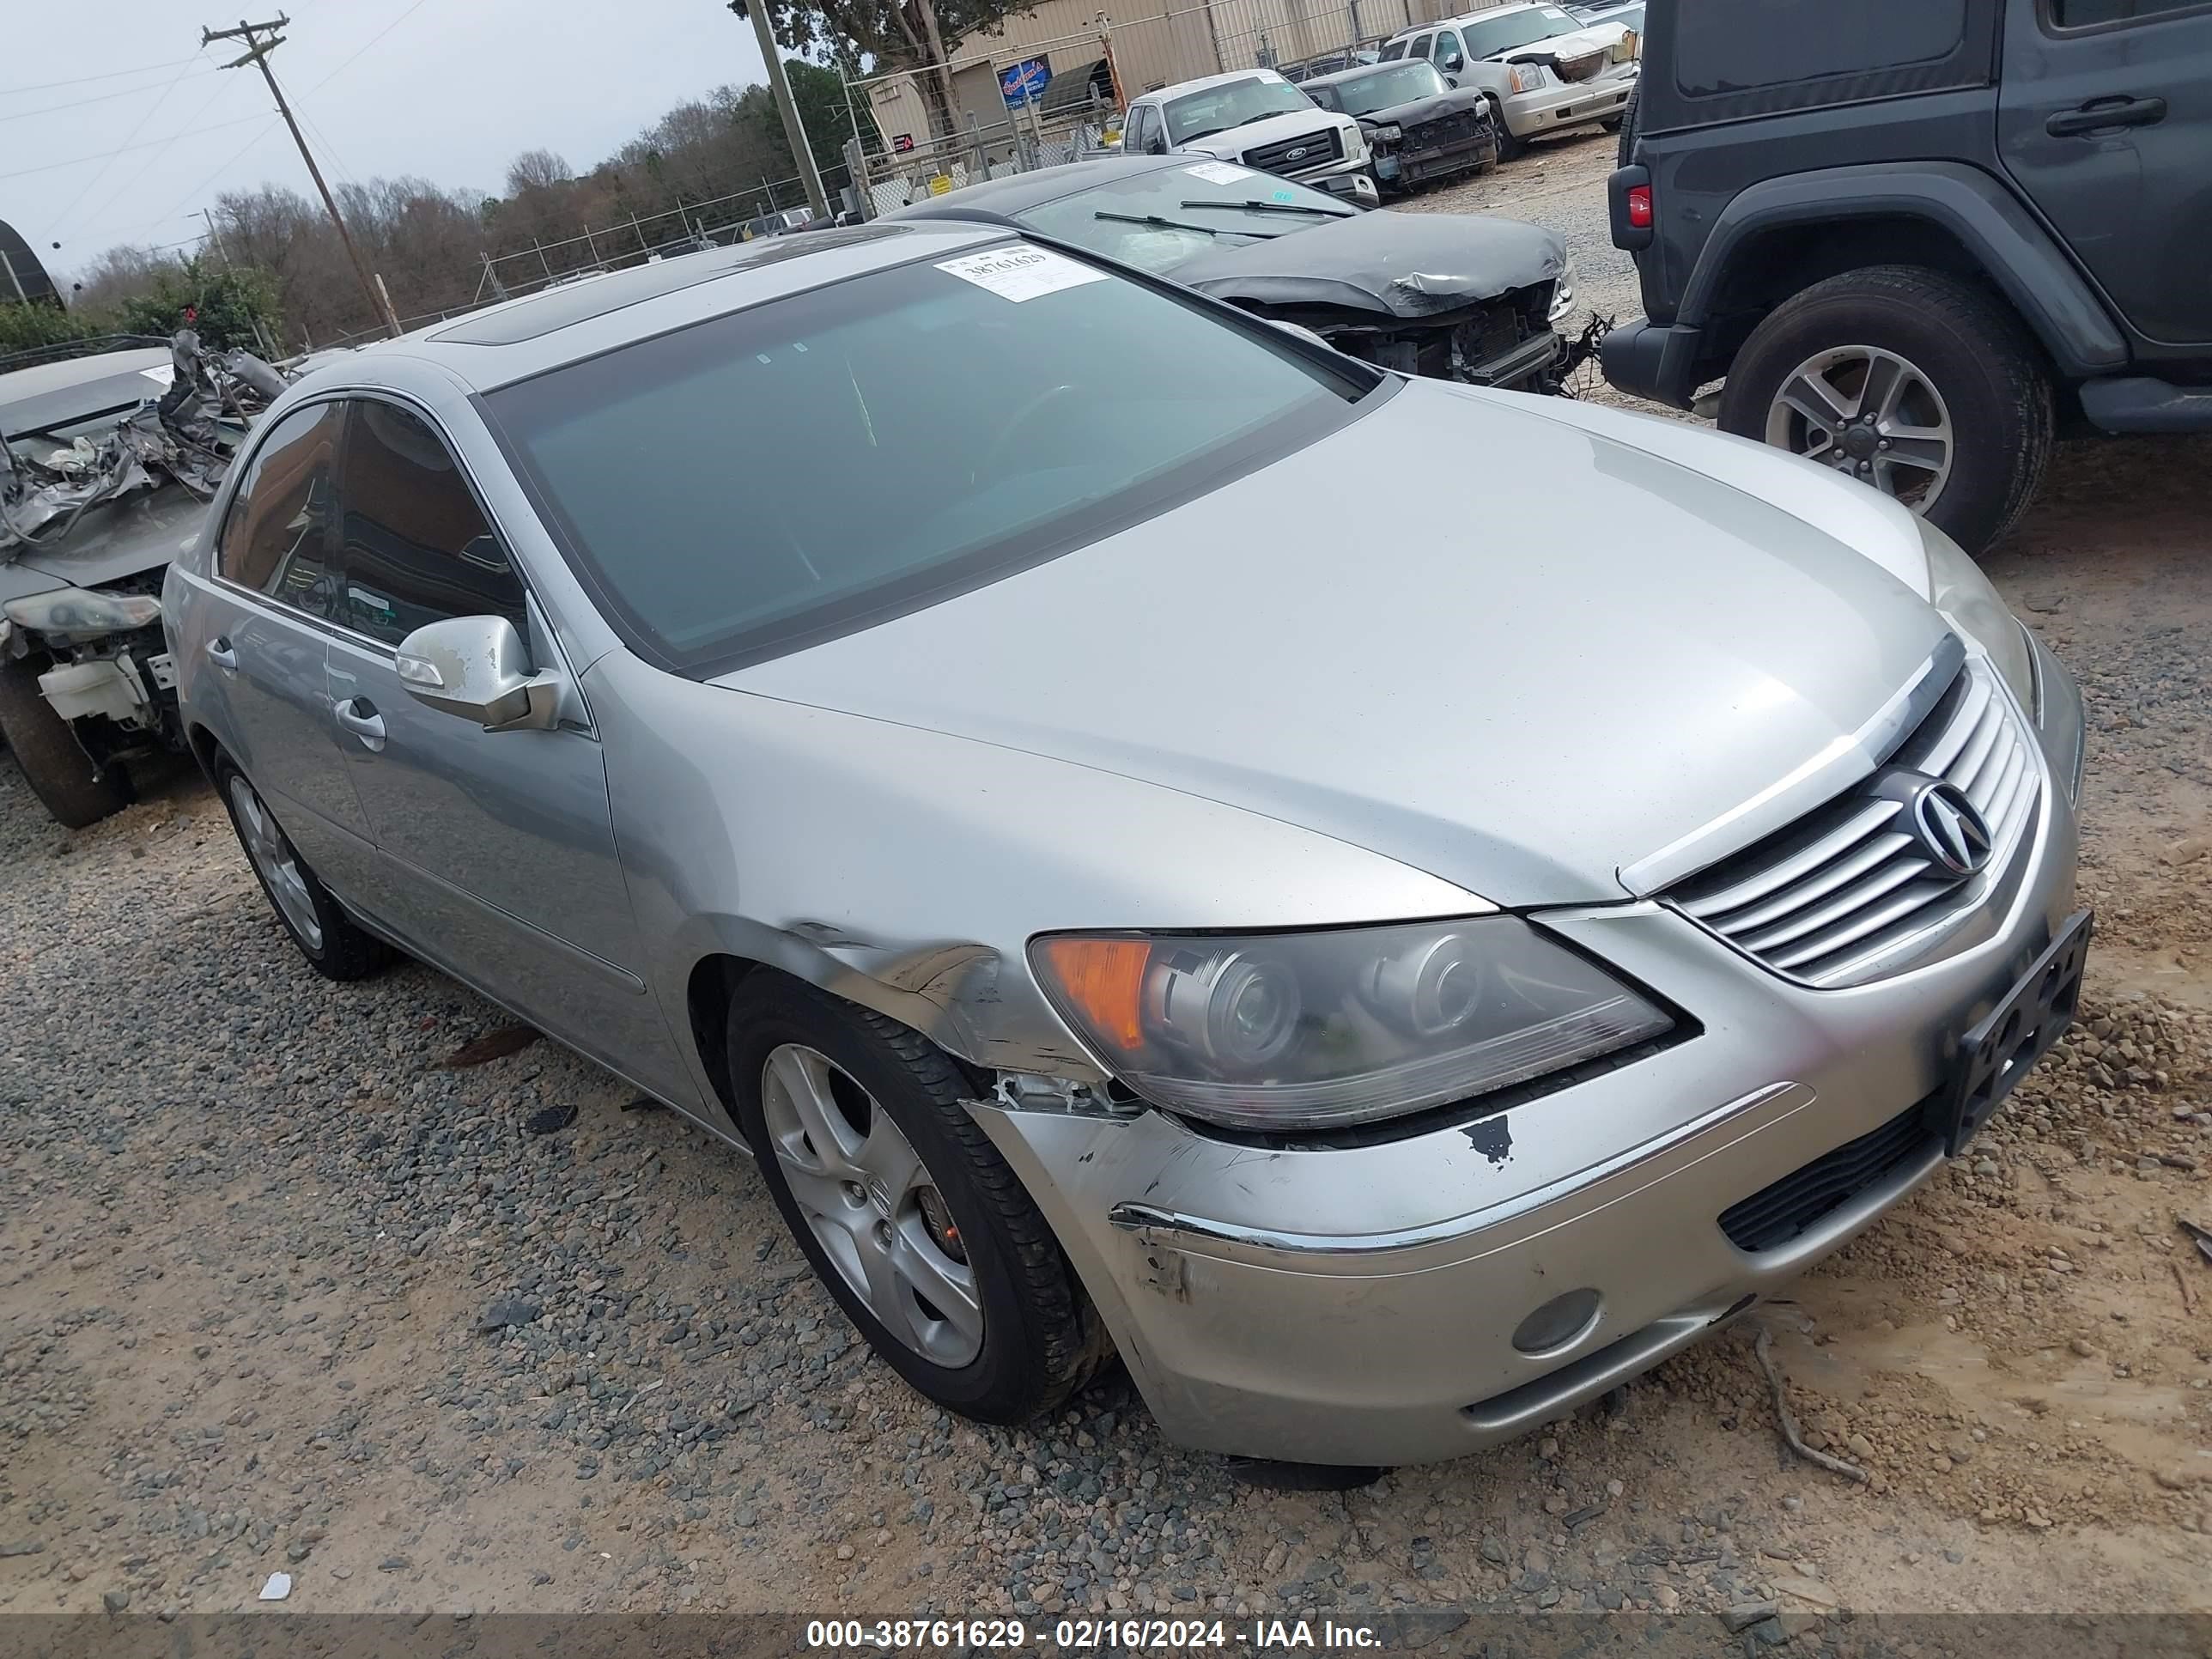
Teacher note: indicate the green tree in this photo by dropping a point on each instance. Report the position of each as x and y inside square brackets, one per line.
[888, 35]
[24, 326]
[228, 302]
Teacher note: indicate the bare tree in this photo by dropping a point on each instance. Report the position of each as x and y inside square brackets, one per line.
[536, 169]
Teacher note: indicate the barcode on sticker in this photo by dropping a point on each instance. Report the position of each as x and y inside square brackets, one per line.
[1021, 273]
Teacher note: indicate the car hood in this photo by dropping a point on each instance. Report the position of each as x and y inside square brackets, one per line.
[1403, 264]
[1232, 144]
[1539, 655]
[1424, 109]
[1598, 37]
[141, 531]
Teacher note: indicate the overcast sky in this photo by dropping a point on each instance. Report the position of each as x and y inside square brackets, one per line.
[446, 90]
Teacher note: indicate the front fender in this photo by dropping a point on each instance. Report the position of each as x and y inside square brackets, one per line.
[2010, 245]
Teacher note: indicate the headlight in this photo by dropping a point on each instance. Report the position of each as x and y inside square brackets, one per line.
[1563, 291]
[1390, 135]
[1628, 48]
[1310, 1030]
[1527, 77]
[1957, 588]
[78, 611]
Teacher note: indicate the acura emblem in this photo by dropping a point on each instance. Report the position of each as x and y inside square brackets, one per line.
[1951, 832]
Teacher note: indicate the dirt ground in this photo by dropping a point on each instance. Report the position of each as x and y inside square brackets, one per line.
[254, 1247]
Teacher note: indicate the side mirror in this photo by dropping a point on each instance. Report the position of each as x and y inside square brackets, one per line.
[1454, 64]
[478, 668]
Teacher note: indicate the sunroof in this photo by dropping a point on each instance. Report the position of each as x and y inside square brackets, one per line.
[577, 302]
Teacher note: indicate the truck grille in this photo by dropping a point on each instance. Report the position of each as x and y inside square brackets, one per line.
[1838, 897]
[1313, 150]
[1574, 70]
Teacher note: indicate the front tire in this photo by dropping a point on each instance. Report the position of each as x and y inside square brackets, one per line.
[60, 773]
[903, 1208]
[1509, 149]
[325, 934]
[1910, 379]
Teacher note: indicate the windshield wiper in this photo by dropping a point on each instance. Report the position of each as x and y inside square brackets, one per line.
[1203, 132]
[1278, 207]
[1177, 224]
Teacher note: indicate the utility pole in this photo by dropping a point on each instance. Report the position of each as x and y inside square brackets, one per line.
[257, 53]
[794, 134]
[215, 235]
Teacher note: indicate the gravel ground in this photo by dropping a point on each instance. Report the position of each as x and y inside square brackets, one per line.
[283, 1288]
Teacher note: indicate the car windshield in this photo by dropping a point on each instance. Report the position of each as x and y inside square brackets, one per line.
[1195, 208]
[1522, 28]
[1232, 104]
[1401, 83]
[765, 480]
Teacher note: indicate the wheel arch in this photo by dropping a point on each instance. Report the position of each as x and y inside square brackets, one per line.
[1787, 233]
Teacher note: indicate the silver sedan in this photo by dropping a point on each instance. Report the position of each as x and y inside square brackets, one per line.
[1026, 751]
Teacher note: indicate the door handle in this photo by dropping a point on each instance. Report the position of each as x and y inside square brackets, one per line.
[359, 716]
[220, 654]
[2103, 113]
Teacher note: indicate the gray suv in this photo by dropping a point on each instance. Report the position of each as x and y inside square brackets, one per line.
[1919, 246]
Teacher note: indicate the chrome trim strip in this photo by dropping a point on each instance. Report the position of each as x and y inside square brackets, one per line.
[1849, 759]
[1233, 1242]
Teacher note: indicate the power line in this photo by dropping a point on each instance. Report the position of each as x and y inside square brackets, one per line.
[86, 80]
[104, 98]
[363, 48]
[130, 184]
[63, 218]
[107, 155]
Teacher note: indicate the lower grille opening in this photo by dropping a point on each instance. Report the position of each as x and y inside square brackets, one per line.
[1778, 1213]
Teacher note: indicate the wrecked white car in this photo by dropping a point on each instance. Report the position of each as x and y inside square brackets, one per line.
[109, 450]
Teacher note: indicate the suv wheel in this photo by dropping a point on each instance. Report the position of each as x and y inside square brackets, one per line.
[908, 1213]
[1908, 379]
[60, 773]
[1509, 149]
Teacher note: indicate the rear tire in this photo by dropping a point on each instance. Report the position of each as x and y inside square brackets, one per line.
[1964, 345]
[1016, 1336]
[60, 773]
[325, 934]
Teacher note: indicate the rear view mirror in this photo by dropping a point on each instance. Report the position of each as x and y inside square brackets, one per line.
[478, 668]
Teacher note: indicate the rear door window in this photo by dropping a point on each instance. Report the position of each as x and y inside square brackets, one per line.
[276, 540]
[414, 546]
[1741, 46]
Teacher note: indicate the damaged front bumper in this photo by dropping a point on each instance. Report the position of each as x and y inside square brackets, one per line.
[1390, 1301]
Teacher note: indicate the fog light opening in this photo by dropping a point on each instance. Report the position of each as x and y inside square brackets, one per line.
[1561, 1322]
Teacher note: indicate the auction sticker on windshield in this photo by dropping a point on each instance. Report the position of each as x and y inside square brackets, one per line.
[1021, 273]
[1218, 172]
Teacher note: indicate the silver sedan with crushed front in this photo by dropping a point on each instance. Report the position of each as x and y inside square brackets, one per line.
[996, 735]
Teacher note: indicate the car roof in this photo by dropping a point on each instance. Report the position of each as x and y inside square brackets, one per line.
[511, 341]
[1482, 16]
[76, 389]
[1179, 88]
[1018, 191]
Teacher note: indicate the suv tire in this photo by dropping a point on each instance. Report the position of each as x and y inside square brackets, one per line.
[838, 1101]
[1963, 343]
[1509, 149]
[60, 773]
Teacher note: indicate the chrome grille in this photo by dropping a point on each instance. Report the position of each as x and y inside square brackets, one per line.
[1845, 893]
[1314, 149]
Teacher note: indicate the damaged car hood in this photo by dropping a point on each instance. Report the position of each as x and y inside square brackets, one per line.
[143, 531]
[1615, 652]
[1399, 264]
[1423, 110]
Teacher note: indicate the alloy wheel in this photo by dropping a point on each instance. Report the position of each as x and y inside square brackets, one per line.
[872, 1204]
[275, 861]
[1869, 414]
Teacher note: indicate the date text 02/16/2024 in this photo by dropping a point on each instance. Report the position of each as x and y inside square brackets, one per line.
[1083, 1635]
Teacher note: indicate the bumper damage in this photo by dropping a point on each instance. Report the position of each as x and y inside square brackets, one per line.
[1390, 1301]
